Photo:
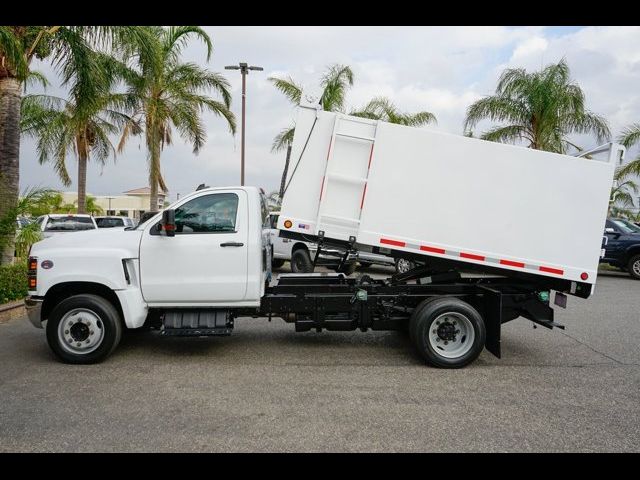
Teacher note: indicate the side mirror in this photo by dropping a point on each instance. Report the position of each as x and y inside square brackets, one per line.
[168, 223]
[609, 230]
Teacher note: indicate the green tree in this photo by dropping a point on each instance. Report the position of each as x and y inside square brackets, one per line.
[335, 83]
[61, 127]
[381, 108]
[541, 108]
[23, 206]
[622, 193]
[69, 48]
[92, 206]
[630, 137]
[165, 93]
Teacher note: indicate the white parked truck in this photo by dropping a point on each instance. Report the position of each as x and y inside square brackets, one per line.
[526, 221]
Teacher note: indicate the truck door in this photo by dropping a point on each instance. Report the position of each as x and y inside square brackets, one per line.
[206, 260]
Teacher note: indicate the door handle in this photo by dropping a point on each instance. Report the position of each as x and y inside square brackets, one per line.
[232, 244]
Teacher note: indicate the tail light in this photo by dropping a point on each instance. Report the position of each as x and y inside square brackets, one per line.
[32, 273]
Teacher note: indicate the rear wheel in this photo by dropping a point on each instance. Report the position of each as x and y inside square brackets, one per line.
[447, 332]
[301, 261]
[634, 267]
[84, 329]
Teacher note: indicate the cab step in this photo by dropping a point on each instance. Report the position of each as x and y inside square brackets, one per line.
[196, 323]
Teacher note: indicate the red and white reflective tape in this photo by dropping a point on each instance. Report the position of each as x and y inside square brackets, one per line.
[473, 256]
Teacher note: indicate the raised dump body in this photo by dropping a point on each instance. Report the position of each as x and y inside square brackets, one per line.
[420, 191]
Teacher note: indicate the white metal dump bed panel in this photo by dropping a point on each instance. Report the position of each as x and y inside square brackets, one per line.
[447, 196]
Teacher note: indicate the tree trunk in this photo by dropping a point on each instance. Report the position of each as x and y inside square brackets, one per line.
[284, 172]
[10, 98]
[154, 176]
[82, 175]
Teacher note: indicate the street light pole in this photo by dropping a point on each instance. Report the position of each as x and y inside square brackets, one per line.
[244, 70]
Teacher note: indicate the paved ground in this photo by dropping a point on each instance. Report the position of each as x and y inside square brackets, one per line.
[267, 388]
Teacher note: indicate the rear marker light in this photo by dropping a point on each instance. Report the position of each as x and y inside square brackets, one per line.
[584, 275]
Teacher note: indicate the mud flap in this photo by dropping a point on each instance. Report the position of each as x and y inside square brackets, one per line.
[492, 319]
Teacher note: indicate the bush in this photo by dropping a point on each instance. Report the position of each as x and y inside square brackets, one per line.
[13, 282]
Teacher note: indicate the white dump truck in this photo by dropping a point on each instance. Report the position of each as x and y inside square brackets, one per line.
[524, 222]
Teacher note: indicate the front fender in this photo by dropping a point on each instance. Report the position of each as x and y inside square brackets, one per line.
[102, 266]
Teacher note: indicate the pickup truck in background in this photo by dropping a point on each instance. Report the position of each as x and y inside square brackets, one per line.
[195, 267]
[301, 254]
[58, 223]
[622, 246]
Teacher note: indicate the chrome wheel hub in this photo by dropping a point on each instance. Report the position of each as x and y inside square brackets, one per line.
[451, 335]
[80, 331]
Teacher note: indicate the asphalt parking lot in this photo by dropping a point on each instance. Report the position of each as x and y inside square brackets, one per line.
[267, 388]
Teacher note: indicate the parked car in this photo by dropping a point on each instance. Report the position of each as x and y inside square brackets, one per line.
[113, 221]
[54, 223]
[301, 254]
[622, 247]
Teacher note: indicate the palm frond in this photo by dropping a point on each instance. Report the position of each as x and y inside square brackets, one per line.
[289, 88]
[283, 139]
[630, 135]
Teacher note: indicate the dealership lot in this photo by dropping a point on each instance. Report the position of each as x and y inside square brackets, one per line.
[267, 388]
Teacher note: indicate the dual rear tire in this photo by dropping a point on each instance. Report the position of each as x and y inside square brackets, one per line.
[447, 332]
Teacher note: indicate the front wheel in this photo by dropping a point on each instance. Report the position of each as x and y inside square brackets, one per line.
[447, 332]
[634, 267]
[84, 329]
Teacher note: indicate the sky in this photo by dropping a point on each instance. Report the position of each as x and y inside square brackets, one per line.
[438, 69]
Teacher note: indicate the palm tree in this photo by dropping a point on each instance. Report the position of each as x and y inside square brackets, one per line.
[69, 48]
[541, 108]
[166, 93]
[335, 83]
[274, 201]
[622, 193]
[381, 108]
[630, 137]
[63, 126]
[31, 198]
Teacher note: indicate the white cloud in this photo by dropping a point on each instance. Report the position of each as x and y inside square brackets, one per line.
[530, 46]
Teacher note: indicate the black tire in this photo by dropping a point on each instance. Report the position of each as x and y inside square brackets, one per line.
[347, 269]
[421, 326]
[633, 267]
[277, 263]
[301, 261]
[416, 313]
[109, 320]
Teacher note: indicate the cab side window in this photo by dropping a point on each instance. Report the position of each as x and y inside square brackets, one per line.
[215, 213]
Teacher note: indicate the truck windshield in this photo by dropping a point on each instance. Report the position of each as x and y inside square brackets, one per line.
[71, 223]
[626, 226]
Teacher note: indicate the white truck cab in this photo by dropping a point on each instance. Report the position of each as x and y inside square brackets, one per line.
[218, 256]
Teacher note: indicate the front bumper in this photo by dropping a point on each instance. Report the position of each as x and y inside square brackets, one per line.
[33, 306]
